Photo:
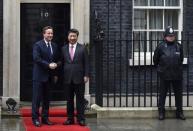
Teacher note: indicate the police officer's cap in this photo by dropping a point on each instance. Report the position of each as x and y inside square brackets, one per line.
[169, 31]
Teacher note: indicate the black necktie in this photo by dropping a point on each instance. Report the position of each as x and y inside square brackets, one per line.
[49, 51]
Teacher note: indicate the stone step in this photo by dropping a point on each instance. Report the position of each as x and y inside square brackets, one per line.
[137, 112]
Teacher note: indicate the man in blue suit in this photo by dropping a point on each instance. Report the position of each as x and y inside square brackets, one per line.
[45, 57]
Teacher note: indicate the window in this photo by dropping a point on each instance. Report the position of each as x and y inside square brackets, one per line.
[150, 18]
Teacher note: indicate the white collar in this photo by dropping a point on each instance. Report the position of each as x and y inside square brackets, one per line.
[73, 45]
[47, 42]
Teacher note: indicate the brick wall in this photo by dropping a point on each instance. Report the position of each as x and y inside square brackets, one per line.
[188, 29]
[188, 15]
[116, 21]
[117, 24]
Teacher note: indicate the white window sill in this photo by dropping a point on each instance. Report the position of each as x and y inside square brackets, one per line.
[142, 62]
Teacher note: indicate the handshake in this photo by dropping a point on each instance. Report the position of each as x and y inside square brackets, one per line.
[52, 65]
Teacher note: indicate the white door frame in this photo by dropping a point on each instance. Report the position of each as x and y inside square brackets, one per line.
[11, 40]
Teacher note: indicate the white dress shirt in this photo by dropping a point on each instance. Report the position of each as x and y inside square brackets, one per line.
[74, 48]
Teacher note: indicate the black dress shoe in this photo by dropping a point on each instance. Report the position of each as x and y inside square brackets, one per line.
[47, 122]
[161, 116]
[82, 123]
[180, 116]
[36, 123]
[68, 122]
[161, 112]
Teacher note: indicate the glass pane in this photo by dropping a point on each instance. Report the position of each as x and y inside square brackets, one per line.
[172, 2]
[155, 19]
[156, 38]
[140, 2]
[156, 2]
[140, 39]
[147, 41]
[171, 18]
[140, 20]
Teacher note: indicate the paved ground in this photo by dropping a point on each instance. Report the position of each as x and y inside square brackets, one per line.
[140, 125]
[15, 124]
[11, 124]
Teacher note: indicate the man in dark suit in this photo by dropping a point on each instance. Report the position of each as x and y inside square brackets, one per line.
[76, 70]
[44, 72]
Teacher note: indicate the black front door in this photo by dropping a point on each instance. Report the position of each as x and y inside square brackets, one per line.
[33, 18]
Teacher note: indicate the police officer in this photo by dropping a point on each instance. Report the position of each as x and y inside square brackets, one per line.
[168, 57]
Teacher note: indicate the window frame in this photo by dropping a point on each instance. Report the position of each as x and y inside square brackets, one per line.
[139, 56]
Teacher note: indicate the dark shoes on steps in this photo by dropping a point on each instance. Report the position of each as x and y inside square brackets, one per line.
[37, 123]
[47, 122]
[161, 116]
[71, 122]
[179, 115]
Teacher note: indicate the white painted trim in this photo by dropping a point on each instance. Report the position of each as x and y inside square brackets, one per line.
[152, 30]
[180, 18]
[163, 12]
[72, 14]
[45, 1]
[157, 7]
[11, 41]
[11, 50]
[179, 30]
[148, 59]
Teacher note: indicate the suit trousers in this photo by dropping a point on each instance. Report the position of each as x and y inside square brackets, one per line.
[177, 88]
[41, 94]
[78, 90]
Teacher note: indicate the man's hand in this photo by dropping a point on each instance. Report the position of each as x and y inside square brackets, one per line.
[86, 79]
[52, 65]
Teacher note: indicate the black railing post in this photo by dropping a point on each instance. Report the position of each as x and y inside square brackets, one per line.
[139, 70]
[188, 71]
[120, 73]
[115, 61]
[120, 67]
[145, 50]
[157, 80]
[99, 36]
[108, 40]
[151, 70]
[127, 66]
[99, 73]
[133, 73]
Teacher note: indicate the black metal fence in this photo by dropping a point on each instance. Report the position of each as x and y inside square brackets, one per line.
[127, 77]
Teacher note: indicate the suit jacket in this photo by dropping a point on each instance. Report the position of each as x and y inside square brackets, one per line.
[41, 60]
[78, 68]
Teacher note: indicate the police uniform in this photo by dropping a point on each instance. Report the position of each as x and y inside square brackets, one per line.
[168, 57]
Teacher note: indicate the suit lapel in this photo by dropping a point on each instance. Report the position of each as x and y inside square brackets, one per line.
[44, 44]
[53, 48]
[76, 51]
[68, 52]
[45, 47]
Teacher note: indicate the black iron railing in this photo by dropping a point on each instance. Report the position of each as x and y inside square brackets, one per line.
[127, 77]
